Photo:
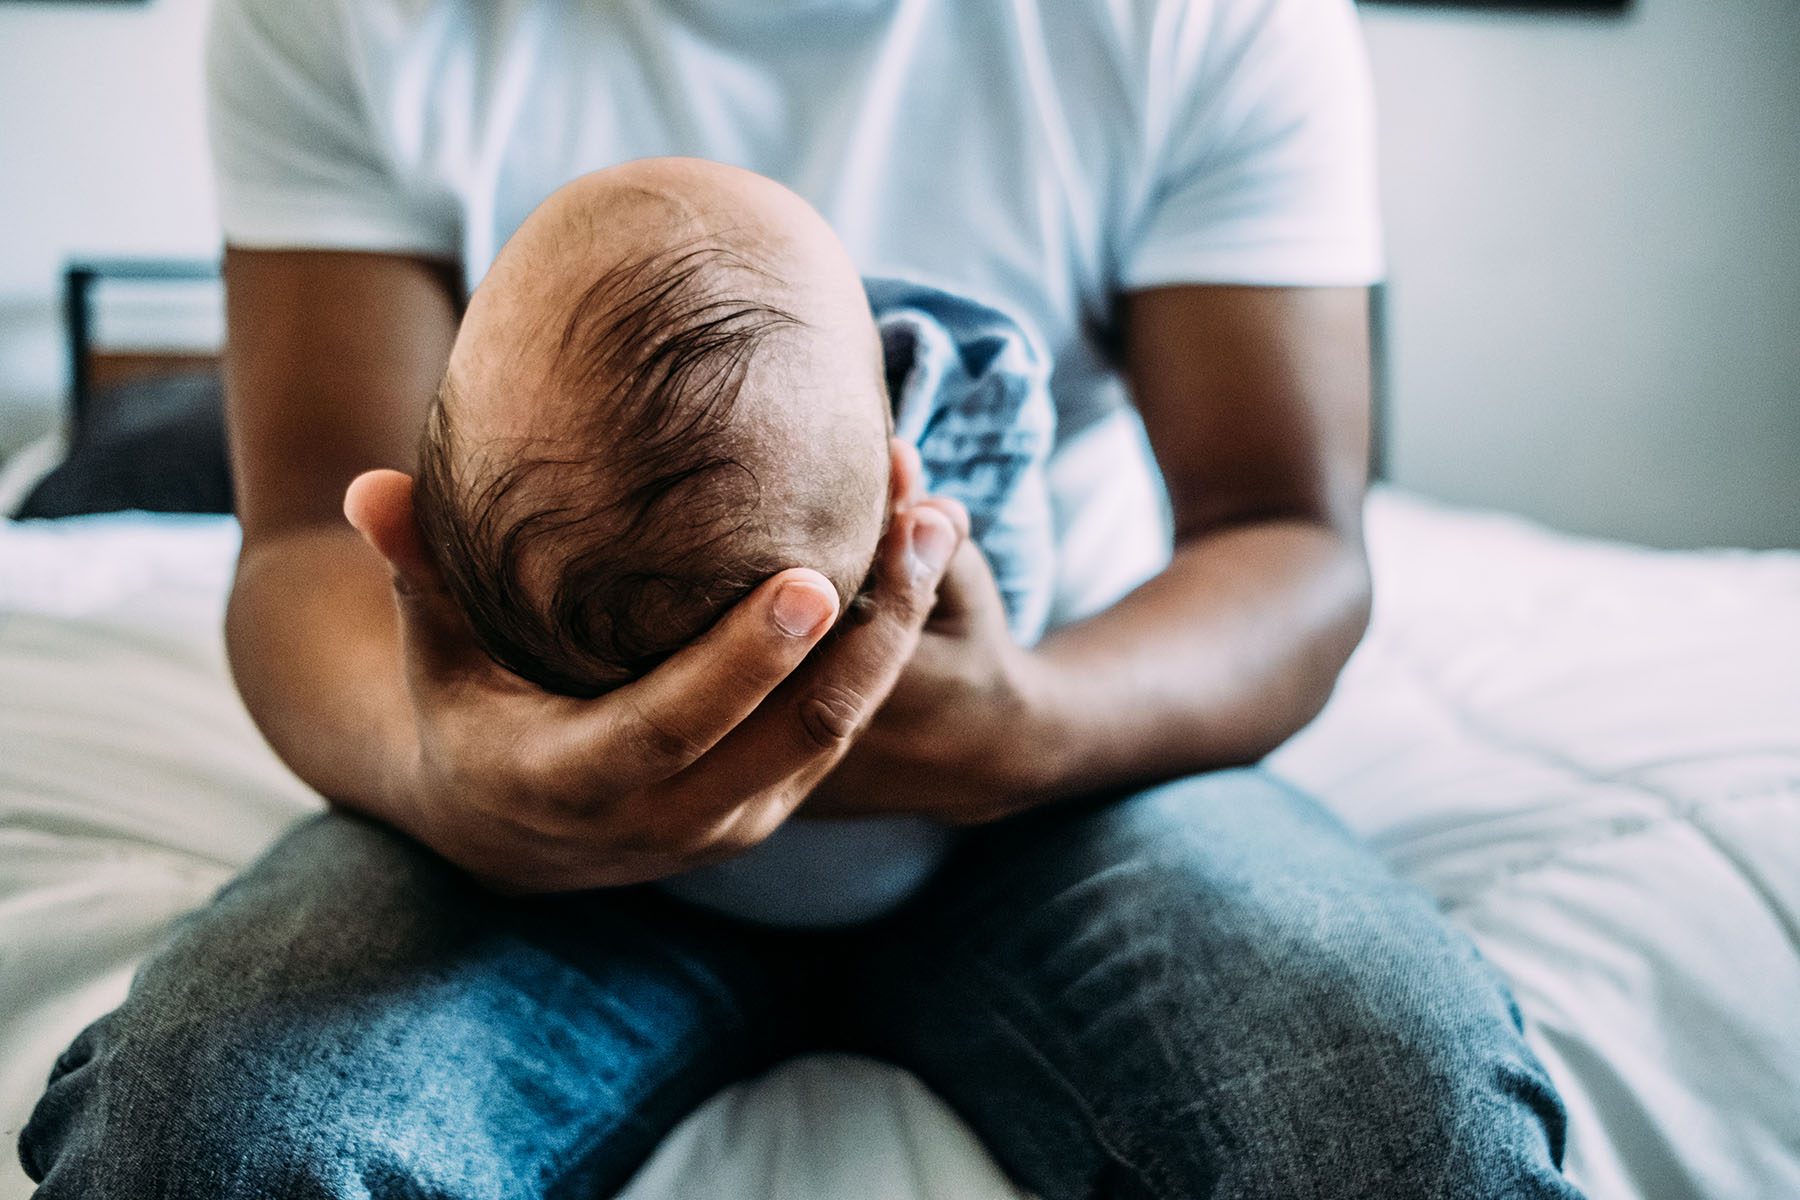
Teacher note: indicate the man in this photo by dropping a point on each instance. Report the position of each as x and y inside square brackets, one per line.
[1203, 988]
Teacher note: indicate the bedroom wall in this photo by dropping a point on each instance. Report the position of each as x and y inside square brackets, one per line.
[1594, 230]
[1594, 244]
[102, 151]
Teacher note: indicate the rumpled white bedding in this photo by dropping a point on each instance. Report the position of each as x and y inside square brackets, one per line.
[1589, 753]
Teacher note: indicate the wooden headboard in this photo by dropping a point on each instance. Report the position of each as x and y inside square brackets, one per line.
[93, 367]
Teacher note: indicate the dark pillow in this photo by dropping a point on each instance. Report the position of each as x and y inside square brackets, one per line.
[157, 445]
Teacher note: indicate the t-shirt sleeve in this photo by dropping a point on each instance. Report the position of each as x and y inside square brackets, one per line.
[298, 159]
[1262, 144]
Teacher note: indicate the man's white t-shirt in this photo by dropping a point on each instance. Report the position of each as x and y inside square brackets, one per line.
[1043, 156]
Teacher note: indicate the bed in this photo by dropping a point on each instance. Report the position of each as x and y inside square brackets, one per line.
[1589, 753]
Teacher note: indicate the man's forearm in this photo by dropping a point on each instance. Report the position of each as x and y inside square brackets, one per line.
[1214, 662]
[313, 643]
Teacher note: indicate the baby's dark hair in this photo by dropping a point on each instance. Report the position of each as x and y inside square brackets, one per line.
[622, 516]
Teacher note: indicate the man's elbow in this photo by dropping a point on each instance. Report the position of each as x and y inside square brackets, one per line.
[1345, 622]
[1340, 619]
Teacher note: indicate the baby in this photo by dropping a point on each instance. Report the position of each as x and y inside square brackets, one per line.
[669, 387]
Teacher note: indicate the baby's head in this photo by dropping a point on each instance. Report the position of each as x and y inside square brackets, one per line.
[667, 388]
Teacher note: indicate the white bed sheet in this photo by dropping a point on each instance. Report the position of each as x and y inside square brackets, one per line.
[1589, 753]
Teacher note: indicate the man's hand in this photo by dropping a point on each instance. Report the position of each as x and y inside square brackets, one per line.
[953, 742]
[697, 761]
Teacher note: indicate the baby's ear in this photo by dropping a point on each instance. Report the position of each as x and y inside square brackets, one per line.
[379, 505]
[906, 474]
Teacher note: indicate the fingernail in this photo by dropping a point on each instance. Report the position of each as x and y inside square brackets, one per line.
[800, 608]
[933, 542]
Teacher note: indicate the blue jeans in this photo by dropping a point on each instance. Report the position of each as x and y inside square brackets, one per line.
[1206, 990]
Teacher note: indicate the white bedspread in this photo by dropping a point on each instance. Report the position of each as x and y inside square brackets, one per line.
[1589, 753]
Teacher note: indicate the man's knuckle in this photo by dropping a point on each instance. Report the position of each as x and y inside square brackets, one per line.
[830, 717]
[660, 743]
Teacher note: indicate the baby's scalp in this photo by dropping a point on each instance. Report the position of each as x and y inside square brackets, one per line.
[667, 388]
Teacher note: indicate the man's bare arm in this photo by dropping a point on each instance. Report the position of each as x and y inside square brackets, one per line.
[330, 365]
[1256, 402]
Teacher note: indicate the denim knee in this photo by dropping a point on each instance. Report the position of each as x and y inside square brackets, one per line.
[1375, 1078]
[1354, 1044]
[215, 1077]
[1238, 999]
[352, 1018]
[137, 1108]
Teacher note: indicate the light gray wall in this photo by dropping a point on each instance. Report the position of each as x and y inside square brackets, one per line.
[102, 151]
[1594, 231]
[1594, 243]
